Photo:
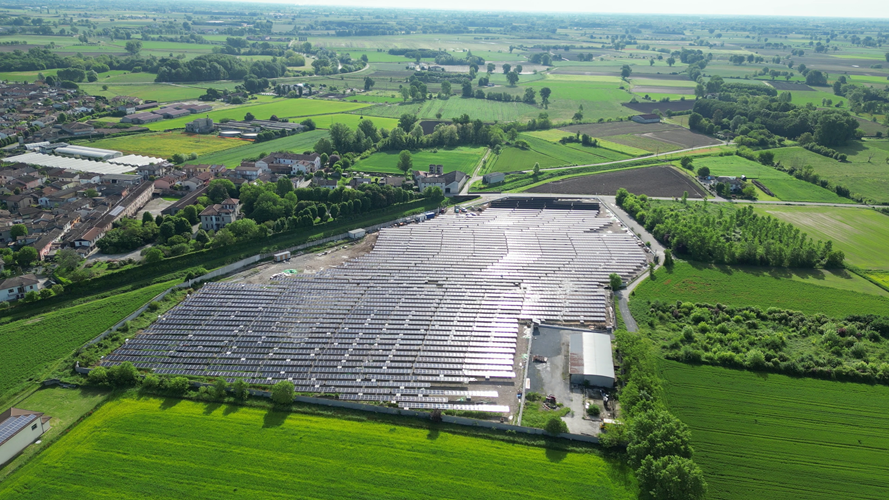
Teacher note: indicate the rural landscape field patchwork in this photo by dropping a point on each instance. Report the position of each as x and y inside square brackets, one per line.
[231, 267]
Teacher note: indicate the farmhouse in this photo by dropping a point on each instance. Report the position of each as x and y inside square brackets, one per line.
[18, 429]
[590, 359]
[216, 217]
[450, 183]
[298, 163]
[648, 118]
[16, 288]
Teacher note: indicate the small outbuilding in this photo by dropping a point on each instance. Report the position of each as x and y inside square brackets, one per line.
[18, 429]
[356, 234]
[282, 256]
[590, 359]
[494, 177]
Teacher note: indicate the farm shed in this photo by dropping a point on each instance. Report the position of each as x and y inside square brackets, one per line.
[648, 118]
[494, 177]
[18, 429]
[282, 256]
[590, 359]
[88, 152]
[356, 234]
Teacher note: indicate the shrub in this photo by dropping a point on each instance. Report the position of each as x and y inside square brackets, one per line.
[555, 426]
[178, 385]
[593, 410]
[282, 393]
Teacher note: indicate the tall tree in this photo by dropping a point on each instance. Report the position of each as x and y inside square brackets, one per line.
[545, 92]
[405, 162]
[512, 77]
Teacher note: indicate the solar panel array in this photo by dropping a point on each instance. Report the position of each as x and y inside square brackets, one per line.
[433, 307]
[12, 425]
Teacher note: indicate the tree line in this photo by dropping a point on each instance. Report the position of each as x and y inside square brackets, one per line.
[727, 235]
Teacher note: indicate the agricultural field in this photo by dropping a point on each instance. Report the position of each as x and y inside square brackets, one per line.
[59, 333]
[862, 234]
[869, 179]
[783, 185]
[834, 293]
[283, 108]
[464, 159]
[232, 157]
[166, 144]
[651, 137]
[550, 154]
[174, 448]
[758, 435]
[161, 92]
[662, 181]
[454, 107]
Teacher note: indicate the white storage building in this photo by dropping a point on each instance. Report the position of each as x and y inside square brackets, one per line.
[87, 152]
[590, 359]
[18, 429]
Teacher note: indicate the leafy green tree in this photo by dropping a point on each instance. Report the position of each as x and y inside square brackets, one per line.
[512, 77]
[26, 257]
[368, 83]
[625, 71]
[555, 426]
[491, 67]
[686, 162]
[240, 389]
[18, 230]
[405, 161]
[536, 170]
[133, 46]
[153, 255]
[98, 376]
[656, 433]
[282, 393]
[249, 117]
[615, 281]
[446, 88]
[220, 189]
[147, 217]
[178, 385]
[407, 121]
[668, 258]
[220, 388]
[671, 478]
[123, 375]
[545, 92]
[190, 213]
[704, 171]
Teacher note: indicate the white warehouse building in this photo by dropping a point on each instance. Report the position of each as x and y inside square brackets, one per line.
[87, 152]
[590, 359]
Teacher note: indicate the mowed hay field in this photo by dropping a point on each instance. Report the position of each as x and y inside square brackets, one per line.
[166, 144]
[176, 449]
[868, 179]
[861, 233]
[785, 186]
[232, 157]
[836, 293]
[464, 159]
[550, 154]
[652, 181]
[764, 436]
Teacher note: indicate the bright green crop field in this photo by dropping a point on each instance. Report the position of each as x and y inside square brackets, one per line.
[32, 345]
[785, 186]
[861, 233]
[869, 179]
[454, 107]
[166, 144]
[463, 159]
[173, 449]
[759, 436]
[837, 293]
[551, 154]
[232, 157]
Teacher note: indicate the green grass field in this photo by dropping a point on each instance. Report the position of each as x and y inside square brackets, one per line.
[868, 179]
[836, 294]
[463, 159]
[165, 144]
[161, 92]
[454, 107]
[760, 436]
[58, 333]
[644, 143]
[785, 186]
[172, 449]
[551, 154]
[862, 234]
[283, 108]
[232, 157]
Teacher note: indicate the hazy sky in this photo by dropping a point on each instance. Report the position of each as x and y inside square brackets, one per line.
[823, 8]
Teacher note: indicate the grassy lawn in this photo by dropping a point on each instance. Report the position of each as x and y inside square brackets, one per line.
[58, 333]
[232, 157]
[868, 179]
[862, 234]
[836, 294]
[785, 186]
[65, 406]
[551, 154]
[165, 144]
[351, 120]
[760, 435]
[262, 110]
[463, 159]
[174, 449]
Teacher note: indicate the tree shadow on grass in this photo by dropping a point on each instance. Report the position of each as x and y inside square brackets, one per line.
[211, 407]
[274, 418]
[555, 456]
[433, 434]
[168, 403]
[229, 409]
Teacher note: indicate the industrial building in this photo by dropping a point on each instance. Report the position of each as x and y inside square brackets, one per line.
[89, 153]
[590, 359]
[431, 315]
[75, 164]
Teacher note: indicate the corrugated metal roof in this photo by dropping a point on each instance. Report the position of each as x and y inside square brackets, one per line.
[136, 160]
[590, 354]
[95, 167]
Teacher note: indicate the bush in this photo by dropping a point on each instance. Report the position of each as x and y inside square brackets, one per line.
[555, 426]
[282, 393]
[593, 410]
[178, 385]
[98, 376]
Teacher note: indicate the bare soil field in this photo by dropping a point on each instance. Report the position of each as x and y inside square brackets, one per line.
[672, 135]
[648, 107]
[617, 128]
[791, 86]
[683, 137]
[662, 181]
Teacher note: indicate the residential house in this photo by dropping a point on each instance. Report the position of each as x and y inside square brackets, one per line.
[154, 170]
[18, 429]
[215, 217]
[15, 288]
[87, 243]
[393, 180]
[450, 183]
[299, 163]
[354, 182]
[78, 128]
[324, 183]
[165, 182]
[247, 171]
[45, 244]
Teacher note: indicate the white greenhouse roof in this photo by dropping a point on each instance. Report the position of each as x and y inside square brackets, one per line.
[136, 160]
[94, 167]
